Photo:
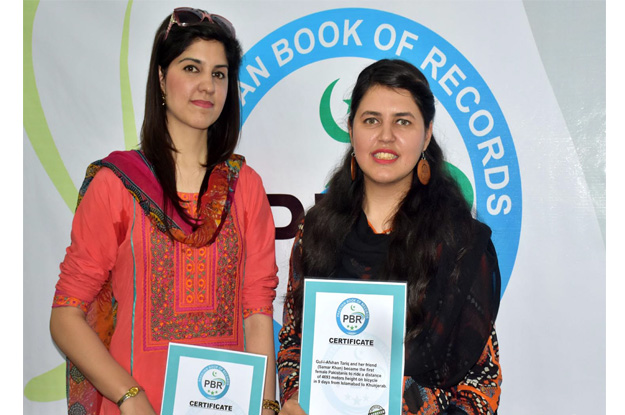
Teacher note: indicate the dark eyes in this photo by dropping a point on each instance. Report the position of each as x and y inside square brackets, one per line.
[371, 121]
[195, 69]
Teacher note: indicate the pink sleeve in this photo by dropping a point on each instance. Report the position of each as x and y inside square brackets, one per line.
[260, 270]
[99, 226]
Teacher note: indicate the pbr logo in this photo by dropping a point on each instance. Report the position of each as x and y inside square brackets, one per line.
[213, 382]
[352, 316]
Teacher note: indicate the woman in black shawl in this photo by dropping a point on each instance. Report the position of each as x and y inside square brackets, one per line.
[392, 212]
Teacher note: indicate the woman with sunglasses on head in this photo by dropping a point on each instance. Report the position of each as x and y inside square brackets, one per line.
[172, 243]
[393, 213]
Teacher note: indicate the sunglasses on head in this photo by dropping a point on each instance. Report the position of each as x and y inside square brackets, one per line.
[187, 16]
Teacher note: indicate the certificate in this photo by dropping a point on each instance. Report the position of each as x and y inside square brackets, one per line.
[209, 381]
[352, 353]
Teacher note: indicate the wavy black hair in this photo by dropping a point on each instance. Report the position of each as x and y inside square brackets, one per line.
[428, 216]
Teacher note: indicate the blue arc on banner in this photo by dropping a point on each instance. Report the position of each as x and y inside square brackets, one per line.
[376, 34]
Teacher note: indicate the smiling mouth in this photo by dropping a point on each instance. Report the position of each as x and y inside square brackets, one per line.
[385, 156]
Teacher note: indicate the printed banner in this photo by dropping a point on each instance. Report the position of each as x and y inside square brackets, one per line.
[525, 145]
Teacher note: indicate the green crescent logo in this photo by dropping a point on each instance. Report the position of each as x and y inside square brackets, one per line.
[337, 133]
[327, 120]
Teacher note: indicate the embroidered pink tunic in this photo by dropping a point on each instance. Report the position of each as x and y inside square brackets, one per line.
[168, 291]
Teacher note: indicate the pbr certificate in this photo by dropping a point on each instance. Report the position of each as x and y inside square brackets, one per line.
[352, 356]
[208, 381]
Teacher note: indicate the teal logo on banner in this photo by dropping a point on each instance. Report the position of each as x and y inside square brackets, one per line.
[213, 382]
[352, 316]
[457, 85]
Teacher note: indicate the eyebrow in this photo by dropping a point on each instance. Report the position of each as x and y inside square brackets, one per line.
[397, 114]
[404, 114]
[199, 62]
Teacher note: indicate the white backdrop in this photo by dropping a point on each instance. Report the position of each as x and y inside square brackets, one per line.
[540, 190]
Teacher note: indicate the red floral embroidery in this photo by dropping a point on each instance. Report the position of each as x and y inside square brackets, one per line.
[259, 310]
[192, 291]
[65, 301]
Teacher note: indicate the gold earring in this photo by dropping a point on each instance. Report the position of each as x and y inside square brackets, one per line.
[164, 103]
[353, 166]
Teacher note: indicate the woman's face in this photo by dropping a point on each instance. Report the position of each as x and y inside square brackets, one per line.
[196, 86]
[388, 136]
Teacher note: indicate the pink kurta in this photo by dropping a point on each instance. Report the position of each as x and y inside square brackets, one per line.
[168, 291]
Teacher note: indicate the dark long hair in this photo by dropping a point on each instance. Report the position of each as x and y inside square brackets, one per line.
[428, 216]
[221, 137]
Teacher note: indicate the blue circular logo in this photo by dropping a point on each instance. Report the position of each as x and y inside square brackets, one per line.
[352, 316]
[213, 382]
[455, 82]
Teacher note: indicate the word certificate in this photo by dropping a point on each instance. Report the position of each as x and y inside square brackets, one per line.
[352, 357]
[208, 381]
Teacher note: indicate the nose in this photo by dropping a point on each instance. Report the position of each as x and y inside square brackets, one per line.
[386, 132]
[207, 83]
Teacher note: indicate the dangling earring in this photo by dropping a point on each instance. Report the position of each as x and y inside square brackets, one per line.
[164, 103]
[353, 166]
[423, 170]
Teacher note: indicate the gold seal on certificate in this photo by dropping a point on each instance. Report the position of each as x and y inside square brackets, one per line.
[352, 359]
[207, 381]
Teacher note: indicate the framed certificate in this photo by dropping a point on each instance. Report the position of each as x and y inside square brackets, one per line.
[204, 380]
[352, 356]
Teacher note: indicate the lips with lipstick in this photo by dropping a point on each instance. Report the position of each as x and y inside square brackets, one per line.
[202, 104]
[384, 156]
